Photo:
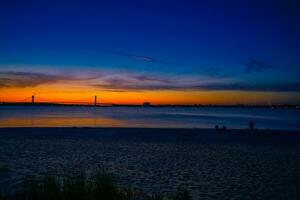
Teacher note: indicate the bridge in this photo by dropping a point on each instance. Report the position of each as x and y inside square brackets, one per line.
[36, 100]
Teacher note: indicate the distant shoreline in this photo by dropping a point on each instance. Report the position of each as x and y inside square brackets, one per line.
[157, 130]
[153, 106]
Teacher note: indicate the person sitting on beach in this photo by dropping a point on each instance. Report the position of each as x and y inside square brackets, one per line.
[251, 125]
[224, 128]
[220, 129]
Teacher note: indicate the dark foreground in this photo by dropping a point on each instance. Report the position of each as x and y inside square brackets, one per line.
[79, 186]
[234, 164]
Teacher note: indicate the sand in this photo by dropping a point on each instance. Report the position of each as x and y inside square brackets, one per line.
[235, 164]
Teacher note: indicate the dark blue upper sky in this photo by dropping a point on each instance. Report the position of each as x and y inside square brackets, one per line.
[254, 42]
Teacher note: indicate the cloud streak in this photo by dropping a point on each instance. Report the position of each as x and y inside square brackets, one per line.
[26, 79]
[122, 82]
[130, 55]
[238, 86]
[255, 65]
[129, 82]
[32, 79]
[241, 86]
[139, 57]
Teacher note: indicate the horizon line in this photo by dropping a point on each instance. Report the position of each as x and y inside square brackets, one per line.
[145, 104]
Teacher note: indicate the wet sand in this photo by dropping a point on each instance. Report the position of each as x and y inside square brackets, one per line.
[234, 164]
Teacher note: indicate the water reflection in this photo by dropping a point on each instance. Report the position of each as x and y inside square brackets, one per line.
[157, 117]
[59, 122]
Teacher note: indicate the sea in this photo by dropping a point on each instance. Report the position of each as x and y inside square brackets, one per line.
[149, 117]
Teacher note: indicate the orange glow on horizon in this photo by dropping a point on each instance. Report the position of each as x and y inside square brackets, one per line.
[65, 93]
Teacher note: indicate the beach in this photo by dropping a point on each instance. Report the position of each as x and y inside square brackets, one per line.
[231, 164]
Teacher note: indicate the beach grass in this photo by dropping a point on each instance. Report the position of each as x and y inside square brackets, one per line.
[101, 186]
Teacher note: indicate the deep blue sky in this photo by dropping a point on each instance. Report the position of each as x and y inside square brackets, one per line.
[256, 43]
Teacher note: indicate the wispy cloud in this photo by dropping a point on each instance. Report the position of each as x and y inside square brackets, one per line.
[134, 81]
[27, 79]
[143, 58]
[32, 79]
[140, 57]
[118, 86]
[129, 55]
[261, 87]
[256, 65]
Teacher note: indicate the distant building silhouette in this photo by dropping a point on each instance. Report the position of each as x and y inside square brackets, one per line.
[32, 99]
[146, 104]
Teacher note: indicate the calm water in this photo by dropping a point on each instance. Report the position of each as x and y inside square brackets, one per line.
[148, 117]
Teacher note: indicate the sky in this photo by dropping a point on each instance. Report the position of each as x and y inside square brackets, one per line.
[161, 51]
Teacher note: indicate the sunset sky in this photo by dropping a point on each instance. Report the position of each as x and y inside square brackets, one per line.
[165, 52]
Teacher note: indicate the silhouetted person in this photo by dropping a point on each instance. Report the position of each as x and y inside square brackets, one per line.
[217, 127]
[251, 125]
[224, 128]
